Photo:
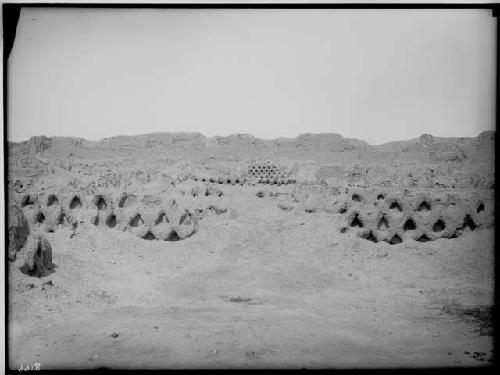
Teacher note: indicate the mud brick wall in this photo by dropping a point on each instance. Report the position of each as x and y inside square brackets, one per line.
[147, 216]
[418, 215]
[267, 173]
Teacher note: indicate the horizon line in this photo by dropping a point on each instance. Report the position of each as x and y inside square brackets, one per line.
[246, 134]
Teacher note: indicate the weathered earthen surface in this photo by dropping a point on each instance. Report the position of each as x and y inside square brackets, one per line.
[425, 215]
[18, 231]
[386, 246]
[37, 256]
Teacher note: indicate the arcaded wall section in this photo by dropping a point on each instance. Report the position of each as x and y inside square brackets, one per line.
[396, 215]
[147, 216]
[256, 173]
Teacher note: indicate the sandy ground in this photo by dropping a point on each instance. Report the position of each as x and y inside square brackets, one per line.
[256, 287]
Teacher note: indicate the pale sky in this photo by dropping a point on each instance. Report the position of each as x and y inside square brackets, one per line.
[375, 75]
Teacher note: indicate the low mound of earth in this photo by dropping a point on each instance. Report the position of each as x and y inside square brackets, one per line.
[181, 251]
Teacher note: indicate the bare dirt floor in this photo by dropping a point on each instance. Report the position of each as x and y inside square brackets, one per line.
[257, 287]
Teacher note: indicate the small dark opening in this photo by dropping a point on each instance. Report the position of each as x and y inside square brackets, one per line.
[96, 220]
[395, 206]
[228, 180]
[212, 180]
[260, 194]
[162, 217]
[423, 238]
[40, 217]
[149, 236]
[121, 203]
[61, 218]
[370, 237]
[27, 201]
[356, 197]
[409, 225]
[424, 206]
[203, 179]
[343, 230]
[217, 210]
[75, 203]
[52, 200]
[237, 181]
[51, 230]
[185, 219]
[480, 207]
[469, 223]
[380, 196]
[356, 222]
[343, 210]
[207, 193]
[439, 226]
[111, 221]
[395, 240]
[136, 220]
[173, 236]
[101, 203]
[383, 223]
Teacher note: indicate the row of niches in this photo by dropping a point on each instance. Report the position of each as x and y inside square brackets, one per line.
[268, 173]
[418, 216]
[147, 216]
[100, 201]
[244, 180]
[78, 199]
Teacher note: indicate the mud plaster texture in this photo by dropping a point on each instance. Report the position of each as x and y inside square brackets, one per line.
[181, 251]
[37, 256]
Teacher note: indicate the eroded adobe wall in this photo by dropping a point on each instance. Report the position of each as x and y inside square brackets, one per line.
[395, 215]
[269, 173]
[377, 213]
[421, 215]
[264, 172]
[18, 230]
[168, 216]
